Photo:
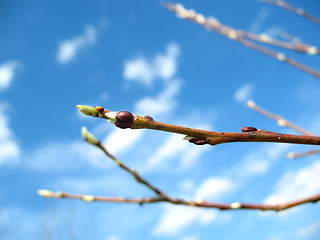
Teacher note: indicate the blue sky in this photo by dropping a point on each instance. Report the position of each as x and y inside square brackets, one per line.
[137, 56]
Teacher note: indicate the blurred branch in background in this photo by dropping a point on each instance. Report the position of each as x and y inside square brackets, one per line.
[297, 10]
[284, 123]
[245, 38]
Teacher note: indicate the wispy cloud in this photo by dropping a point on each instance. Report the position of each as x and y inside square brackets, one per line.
[213, 188]
[7, 73]
[243, 93]
[260, 20]
[309, 231]
[121, 140]
[9, 149]
[174, 148]
[60, 156]
[259, 161]
[163, 66]
[176, 218]
[163, 103]
[68, 49]
[305, 181]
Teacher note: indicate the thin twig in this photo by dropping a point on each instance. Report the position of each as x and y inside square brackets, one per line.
[92, 140]
[237, 35]
[284, 123]
[303, 154]
[296, 46]
[178, 201]
[297, 10]
[280, 120]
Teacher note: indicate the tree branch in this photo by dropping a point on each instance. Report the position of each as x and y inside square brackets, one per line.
[160, 195]
[125, 119]
[237, 35]
[284, 123]
[297, 10]
[178, 201]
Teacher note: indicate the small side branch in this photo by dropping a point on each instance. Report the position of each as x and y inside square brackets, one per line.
[178, 201]
[284, 123]
[297, 10]
[280, 120]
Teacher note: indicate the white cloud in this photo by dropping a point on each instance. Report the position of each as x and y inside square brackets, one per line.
[260, 19]
[161, 104]
[112, 237]
[145, 72]
[175, 148]
[243, 93]
[214, 188]
[295, 185]
[257, 167]
[9, 150]
[308, 231]
[177, 218]
[121, 140]
[59, 156]
[7, 72]
[259, 161]
[69, 48]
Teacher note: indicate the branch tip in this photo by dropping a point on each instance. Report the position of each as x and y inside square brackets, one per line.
[89, 137]
[45, 193]
[251, 104]
[90, 111]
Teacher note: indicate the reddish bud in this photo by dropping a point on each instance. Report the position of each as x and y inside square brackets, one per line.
[100, 109]
[125, 116]
[248, 129]
[124, 119]
[148, 117]
[122, 125]
[198, 141]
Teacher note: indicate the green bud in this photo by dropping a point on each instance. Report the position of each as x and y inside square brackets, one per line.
[89, 137]
[90, 111]
[88, 198]
[45, 193]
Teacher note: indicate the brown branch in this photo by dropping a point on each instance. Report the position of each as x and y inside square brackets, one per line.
[125, 119]
[92, 140]
[237, 35]
[178, 201]
[161, 196]
[297, 10]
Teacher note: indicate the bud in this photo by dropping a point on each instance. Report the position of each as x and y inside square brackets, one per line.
[90, 111]
[251, 104]
[100, 109]
[291, 155]
[282, 122]
[44, 192]
[235, 205]
[88, 198]
[198, 141]
[248, 129]
[111, 115]
[124, 119]
[89, 137]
